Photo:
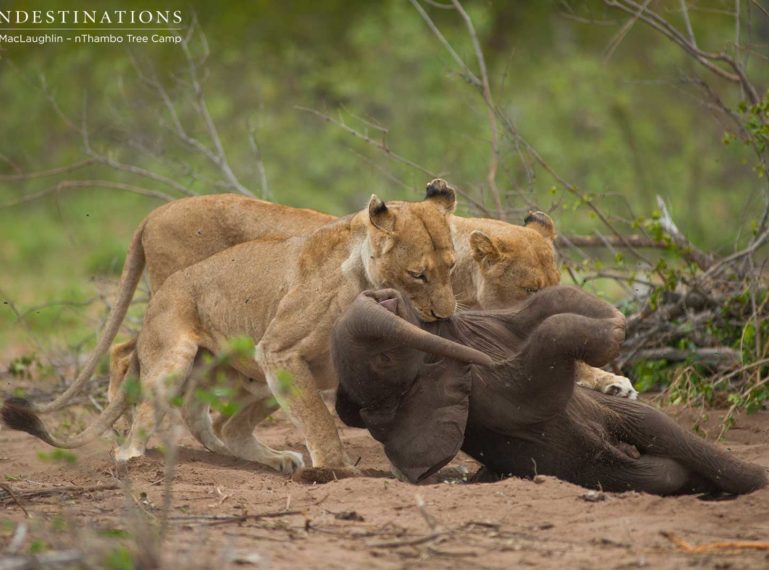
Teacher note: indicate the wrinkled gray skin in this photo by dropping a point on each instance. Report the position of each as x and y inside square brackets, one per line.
[425, 397]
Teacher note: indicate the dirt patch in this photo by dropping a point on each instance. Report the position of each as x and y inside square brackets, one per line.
[228, 513]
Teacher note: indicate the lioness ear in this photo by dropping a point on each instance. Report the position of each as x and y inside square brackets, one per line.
[483, 247]
[541, 223]
[380, 215]
[442, 195]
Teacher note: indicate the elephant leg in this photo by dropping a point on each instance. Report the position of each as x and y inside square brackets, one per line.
[656, 434]
[528, 315]
[648, 474]
[544, 371]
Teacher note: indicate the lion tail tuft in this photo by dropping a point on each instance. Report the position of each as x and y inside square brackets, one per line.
[17, 415]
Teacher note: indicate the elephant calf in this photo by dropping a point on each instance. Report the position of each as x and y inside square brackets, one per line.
[500, 385]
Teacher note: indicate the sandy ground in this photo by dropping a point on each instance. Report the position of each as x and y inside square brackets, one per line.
[228, 513]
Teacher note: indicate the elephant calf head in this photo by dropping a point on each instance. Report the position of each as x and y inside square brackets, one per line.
[391, 387]
[501, 386]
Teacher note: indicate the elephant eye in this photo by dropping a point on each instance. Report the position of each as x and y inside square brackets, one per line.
[419, 276]
[384, 358]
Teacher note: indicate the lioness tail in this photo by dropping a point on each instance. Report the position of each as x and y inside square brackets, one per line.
[132, 272]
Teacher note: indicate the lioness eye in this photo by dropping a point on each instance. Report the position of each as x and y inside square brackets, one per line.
[419, 275]
[530, 290]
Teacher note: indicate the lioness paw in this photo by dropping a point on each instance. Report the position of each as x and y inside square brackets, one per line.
[288, 462]
[125, 453]
[606, 382]
[620, 386]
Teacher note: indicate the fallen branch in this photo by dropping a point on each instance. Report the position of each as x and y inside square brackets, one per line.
[714, 546]
[713, 356]
[408, 542]
[60, 491]
[215, 520]
[54, 558]
[7, 489]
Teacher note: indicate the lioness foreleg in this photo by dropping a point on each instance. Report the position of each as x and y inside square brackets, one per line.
[606, 382]
[292, 384]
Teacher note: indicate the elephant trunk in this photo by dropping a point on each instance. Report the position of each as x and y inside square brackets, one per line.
[379, 319]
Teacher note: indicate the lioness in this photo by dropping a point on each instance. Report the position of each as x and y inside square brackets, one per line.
[286, 294]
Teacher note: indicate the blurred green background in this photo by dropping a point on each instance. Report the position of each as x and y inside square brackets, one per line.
[622, 122]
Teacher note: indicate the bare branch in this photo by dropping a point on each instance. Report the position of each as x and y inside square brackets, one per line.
[266, 194]
[713, 356]
[763, 9]
[707, 59]
[382, 146]
[491, 177]
[617, 39]
[103, 184]
[219, 157]
[45, 173]
[139, 171]
[687, 22]
[469, 75]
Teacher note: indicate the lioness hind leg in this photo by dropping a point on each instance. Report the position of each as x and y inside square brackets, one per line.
[238, 436]
[160, 382]
[122, 358]
[197, 416]
[119, 360]
[235, 433]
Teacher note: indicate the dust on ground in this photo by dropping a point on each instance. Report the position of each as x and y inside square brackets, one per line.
[230, 513]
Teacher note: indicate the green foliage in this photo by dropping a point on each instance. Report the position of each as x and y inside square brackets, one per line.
[133, 390]
[120, 558]
[37, 546]
[757, 122]
[107, 260]
[21, 366]
[113, 533]
[650, 375]
[220, 398]
[58, 455]
[286, 384]
[241, 347]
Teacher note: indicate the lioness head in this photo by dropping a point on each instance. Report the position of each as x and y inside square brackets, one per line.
[514, 261]
[411, 249]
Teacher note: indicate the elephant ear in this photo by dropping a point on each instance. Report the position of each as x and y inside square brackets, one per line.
[428, 427]
[347, 410]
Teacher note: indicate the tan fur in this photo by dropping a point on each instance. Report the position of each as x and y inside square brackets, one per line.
[286, 294]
